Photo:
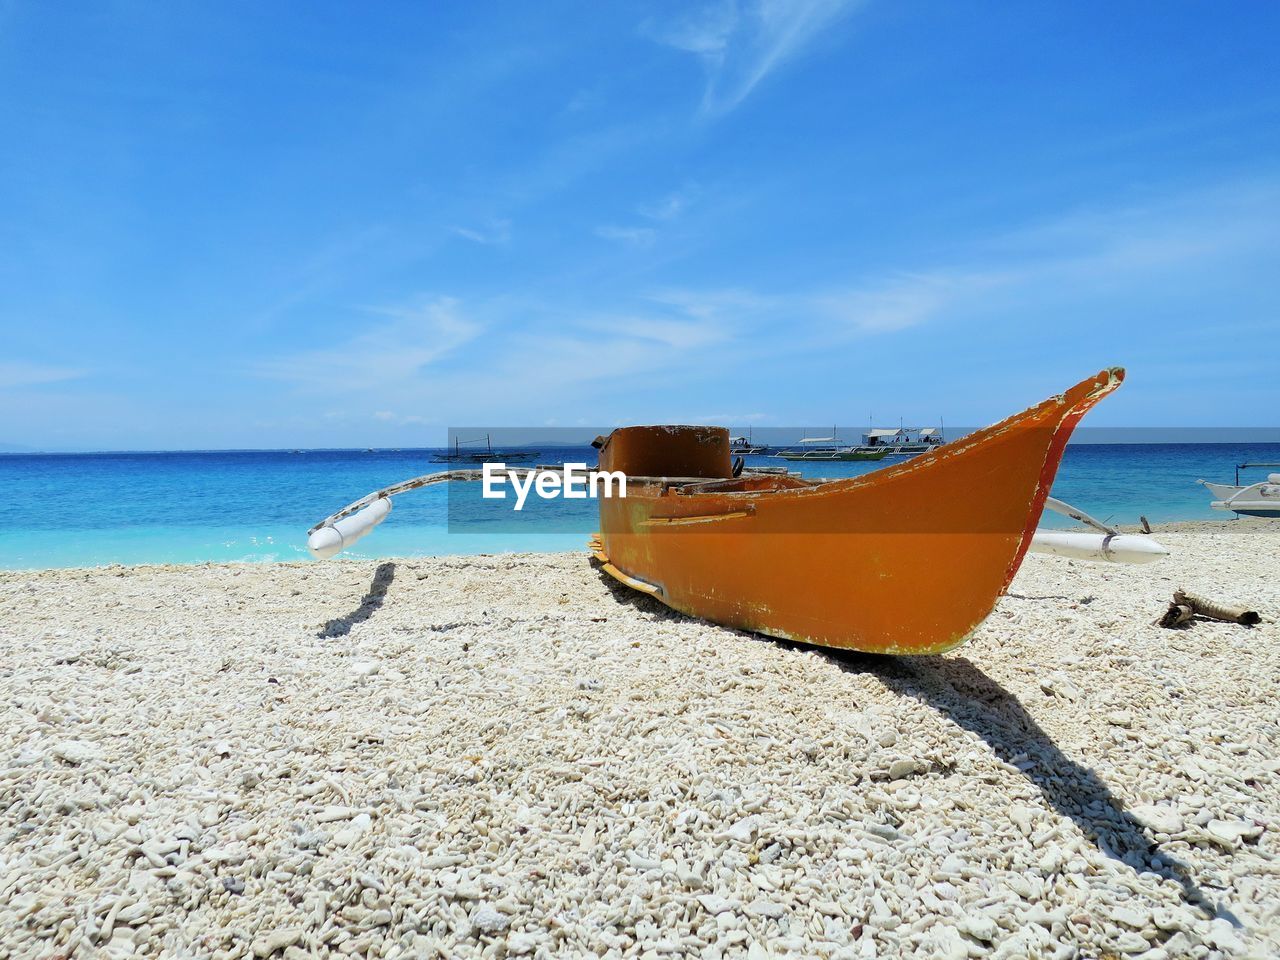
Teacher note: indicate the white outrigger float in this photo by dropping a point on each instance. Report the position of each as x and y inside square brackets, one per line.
[1261, 499]
[1107, 545]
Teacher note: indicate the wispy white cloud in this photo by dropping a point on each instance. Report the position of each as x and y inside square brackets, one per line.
[879, 306]
[736, 419]
[400, 420]
[16, 373]
[1197, 226]
[661, 212]
[637, 236]
[394, 365]
[704, 30]
[494, 232]
[670, 207]
[643, 348]
[902, 301]
[711, 303]
[1130, 248]
[399, 349]
[740, 45]
[679, 333]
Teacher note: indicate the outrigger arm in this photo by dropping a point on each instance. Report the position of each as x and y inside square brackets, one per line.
[340, 530]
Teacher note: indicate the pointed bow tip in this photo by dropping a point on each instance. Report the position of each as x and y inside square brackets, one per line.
[1104, 382]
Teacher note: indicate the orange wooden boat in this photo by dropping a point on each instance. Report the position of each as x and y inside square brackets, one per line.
[907, 560]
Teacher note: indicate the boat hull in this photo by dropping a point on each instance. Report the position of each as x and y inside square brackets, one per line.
[906, 560]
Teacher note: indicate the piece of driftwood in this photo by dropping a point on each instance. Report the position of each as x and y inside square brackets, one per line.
[1215, 611]
[1146, 527]
[1178, 615]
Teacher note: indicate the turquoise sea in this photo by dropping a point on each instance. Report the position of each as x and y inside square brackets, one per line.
[62, 510]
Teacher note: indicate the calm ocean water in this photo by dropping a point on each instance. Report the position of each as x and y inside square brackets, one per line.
[64, 510]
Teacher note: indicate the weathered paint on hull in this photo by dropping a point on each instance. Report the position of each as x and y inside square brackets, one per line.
[907, 560]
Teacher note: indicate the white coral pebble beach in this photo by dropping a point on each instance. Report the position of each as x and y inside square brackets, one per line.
[513, 755]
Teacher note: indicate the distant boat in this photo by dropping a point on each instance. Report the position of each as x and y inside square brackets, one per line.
[829, 448]
[746, 447]
[487, 455]
[902, 441]
[1260, 499]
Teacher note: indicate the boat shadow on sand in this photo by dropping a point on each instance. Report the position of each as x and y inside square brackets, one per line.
[369, 604]
[962, 693]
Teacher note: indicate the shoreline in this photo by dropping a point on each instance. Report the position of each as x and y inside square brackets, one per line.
[510, 753]
[1229, 526]
[1243, 525]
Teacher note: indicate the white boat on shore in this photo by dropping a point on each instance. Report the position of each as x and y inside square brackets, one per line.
[1261, 499]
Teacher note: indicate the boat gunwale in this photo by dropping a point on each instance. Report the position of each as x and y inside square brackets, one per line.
[1104, 382]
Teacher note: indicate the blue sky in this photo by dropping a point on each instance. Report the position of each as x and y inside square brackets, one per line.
[309, 224]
